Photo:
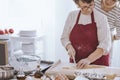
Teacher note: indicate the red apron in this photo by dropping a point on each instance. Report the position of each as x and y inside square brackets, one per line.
[85, 41]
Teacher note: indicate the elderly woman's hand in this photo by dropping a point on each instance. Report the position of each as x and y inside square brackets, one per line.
[71, 51]
[83, 63]
[115, 37]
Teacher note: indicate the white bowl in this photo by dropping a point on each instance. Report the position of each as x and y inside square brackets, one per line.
[4, 36]
[27, 33]
[28, 62]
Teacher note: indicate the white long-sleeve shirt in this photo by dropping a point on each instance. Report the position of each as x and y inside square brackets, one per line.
[113, 17]
[103, 30]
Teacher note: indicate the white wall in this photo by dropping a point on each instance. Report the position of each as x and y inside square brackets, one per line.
[29, 15]
[63, 7]
[3, 13]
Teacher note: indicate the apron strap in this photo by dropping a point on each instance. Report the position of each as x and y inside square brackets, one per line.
[78, 17]
[92, 17]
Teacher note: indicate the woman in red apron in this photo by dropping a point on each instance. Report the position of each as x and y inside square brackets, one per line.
[84, 41]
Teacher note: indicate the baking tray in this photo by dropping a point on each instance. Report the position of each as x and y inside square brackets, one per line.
[44, 65]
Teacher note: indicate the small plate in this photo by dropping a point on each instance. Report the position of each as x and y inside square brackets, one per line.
[5, 37]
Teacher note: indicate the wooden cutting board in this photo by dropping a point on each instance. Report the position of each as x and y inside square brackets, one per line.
[69, 69]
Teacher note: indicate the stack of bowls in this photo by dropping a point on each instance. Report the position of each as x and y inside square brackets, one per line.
[27, 33]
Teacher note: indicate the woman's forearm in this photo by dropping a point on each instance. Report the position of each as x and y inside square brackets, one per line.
[95, 55]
